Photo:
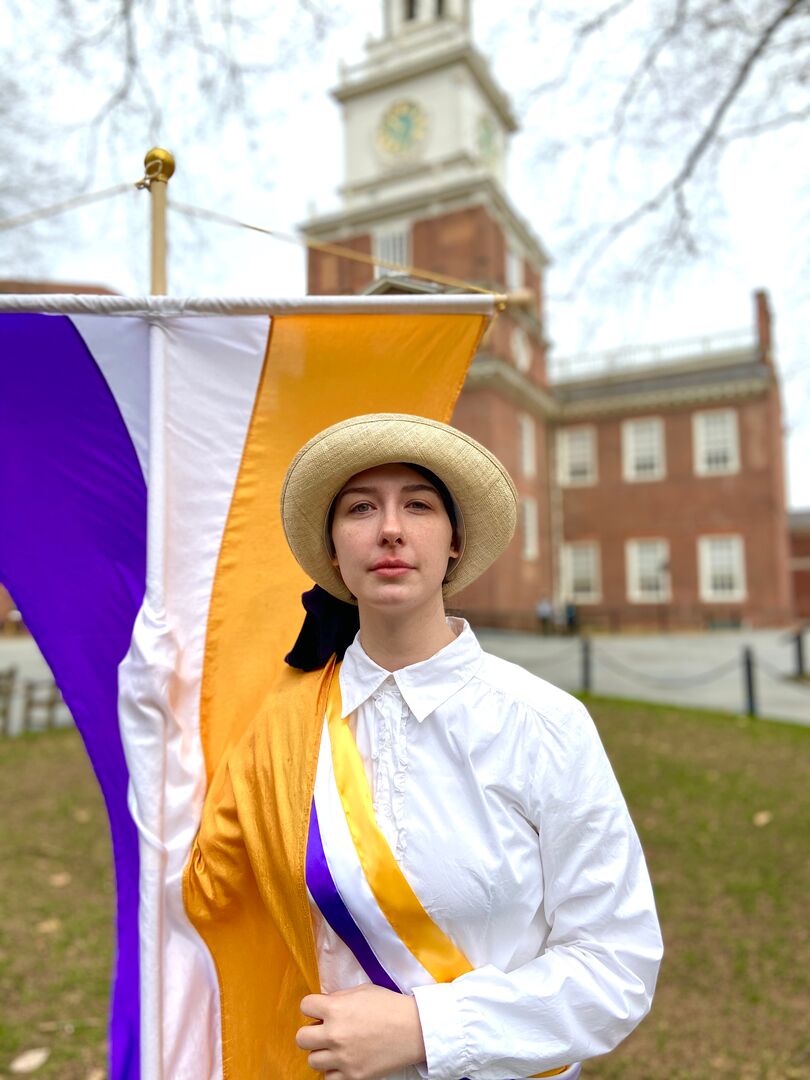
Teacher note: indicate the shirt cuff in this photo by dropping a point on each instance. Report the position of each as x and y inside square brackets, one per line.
[446, 1051]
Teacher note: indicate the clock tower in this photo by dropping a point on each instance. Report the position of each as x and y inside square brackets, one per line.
[426, 137]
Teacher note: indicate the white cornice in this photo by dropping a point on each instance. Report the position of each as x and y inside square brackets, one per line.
[430, 202]
[394, 73]
[666, 398]
[493, 373]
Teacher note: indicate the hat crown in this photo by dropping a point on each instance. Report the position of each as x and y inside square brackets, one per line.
[479, 484]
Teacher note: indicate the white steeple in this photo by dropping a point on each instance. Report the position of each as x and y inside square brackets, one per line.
[408, 16]
[422, 110]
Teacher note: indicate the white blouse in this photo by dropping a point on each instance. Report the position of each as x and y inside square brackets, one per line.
[496, 796]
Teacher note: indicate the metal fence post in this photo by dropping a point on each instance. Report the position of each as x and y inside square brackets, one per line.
[587, 665]
[748, 674]
[800, 668]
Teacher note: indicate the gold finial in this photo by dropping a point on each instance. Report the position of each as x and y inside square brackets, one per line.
[158, 164]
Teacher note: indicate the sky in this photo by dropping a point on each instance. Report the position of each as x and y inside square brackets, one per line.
[291, 165]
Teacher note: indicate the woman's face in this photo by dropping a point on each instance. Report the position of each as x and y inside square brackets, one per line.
[392, 538]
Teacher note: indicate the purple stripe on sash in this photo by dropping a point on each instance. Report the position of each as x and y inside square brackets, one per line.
[72, 553]
[330, 904]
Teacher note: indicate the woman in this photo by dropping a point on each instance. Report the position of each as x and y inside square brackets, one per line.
[470, 852]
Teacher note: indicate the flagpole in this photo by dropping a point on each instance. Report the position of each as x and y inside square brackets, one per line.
[159, 166]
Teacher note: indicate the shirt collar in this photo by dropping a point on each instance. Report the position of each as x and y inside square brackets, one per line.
[424, 686]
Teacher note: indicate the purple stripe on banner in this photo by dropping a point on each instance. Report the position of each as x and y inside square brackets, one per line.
[72, 554]
[330, 904]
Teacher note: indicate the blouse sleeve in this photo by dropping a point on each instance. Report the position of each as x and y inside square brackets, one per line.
[594, 982]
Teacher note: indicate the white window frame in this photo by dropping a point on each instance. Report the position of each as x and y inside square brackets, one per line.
[594, 595]
[527, 434]
[564, 457]
[708, 594]
[521, 349]
[393, 244]
[635, 594]
[700, 448]
[630, 430]
[530, 528]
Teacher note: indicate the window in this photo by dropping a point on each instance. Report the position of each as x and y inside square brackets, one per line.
[528, 446]
[716, 442]
[411, 10]
[576, 456]
[581, 576]
[392, 246]
[531, 530]
[721, 568]
[521, 349]
[643, 453]
[648, 580]
[514, 269]
[440, 9]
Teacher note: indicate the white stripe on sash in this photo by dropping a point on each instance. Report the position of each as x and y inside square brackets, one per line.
[347, 873]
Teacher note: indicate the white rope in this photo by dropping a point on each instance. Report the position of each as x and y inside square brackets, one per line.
[163, 306]
[60, 208]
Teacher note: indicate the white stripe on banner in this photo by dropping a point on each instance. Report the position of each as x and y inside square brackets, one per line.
[212, 368]
[120, 347]
[347, 873]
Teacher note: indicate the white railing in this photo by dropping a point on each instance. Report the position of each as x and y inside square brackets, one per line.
[685, 350]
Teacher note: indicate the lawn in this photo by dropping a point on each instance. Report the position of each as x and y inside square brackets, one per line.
[721, 804]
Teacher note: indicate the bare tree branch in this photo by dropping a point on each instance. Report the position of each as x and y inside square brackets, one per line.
[708, 137]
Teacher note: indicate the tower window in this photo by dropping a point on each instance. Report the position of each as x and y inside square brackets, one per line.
[439, 9]
[411, 10]
[392, 246]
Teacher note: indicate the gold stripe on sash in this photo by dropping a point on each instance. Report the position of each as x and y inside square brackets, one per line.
[437, 954]
[398, 902]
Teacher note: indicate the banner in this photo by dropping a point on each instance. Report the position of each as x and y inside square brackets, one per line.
[142, 448]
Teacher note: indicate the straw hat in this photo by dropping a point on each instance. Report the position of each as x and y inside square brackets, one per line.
[480, 487]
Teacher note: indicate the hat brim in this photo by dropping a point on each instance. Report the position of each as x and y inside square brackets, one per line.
[479, 484]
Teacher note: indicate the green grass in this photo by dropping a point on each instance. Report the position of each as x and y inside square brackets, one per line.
[56, 906]
[734, 992]
[722, 805]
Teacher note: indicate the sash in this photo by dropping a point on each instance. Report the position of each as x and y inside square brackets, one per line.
[356, 882]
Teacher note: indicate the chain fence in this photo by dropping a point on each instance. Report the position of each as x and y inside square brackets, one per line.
[594, 656]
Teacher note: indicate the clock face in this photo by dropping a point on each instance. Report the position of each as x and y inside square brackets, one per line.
[402, 128]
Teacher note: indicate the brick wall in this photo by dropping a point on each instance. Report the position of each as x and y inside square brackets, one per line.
[680, 508]
[467, 244]
[800, 571]
[335, 275]
[507, 593]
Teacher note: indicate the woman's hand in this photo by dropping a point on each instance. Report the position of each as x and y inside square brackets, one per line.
[361, 1034]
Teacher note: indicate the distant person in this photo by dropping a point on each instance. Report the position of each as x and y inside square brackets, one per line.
[571, 617]
[545, 614]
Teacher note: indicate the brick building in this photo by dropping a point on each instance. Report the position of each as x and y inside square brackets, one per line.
[799, 523]
[651, 486]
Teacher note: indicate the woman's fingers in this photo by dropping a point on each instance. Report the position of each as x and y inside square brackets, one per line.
[310, 1037]
[323, 1061]
[315, 1005]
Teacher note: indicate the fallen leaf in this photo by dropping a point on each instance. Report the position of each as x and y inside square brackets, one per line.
[48, 926]
[81, 815]
[762, 817]
[30, 1060]
[60, 879]
[97, 1074]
